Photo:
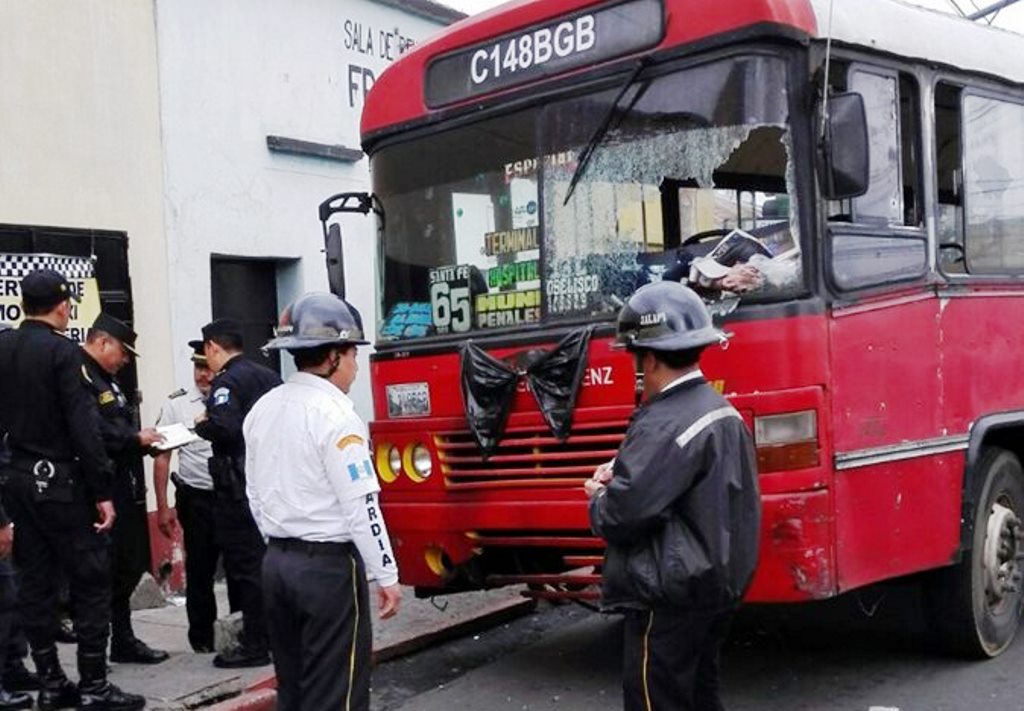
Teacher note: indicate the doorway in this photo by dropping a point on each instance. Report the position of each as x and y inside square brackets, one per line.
[246, 290]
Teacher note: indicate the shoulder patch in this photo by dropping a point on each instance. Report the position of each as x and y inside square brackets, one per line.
[348, 440]
[177, 393]
[221, 396]
[106, 397]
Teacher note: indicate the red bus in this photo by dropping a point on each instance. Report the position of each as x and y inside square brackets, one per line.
[534, 165]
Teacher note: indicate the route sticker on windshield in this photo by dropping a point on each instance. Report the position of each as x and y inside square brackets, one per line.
[450, 297]
[569, 287]
[508, 308]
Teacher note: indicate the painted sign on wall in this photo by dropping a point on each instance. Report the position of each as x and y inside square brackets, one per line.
[80, 273]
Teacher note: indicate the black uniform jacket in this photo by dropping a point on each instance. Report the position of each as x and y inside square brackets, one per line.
[233, 392]
[117, 427]
[45, 410]
[681, 514]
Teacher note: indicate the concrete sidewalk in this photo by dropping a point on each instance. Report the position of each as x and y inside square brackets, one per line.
[188, 680]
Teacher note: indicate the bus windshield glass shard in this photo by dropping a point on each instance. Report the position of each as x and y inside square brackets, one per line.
[692, 180]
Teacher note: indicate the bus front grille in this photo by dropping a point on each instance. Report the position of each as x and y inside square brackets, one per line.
[528, 457]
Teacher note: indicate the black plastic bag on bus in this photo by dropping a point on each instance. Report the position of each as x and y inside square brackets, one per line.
[488, 388]
[555, 379]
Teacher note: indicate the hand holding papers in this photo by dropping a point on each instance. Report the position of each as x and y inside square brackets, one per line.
[176, 435]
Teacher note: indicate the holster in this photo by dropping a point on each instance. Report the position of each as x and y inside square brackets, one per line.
[228, 478]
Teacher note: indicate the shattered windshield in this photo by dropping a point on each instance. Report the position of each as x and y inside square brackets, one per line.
[690, 180]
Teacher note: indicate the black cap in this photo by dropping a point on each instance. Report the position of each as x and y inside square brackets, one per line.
[198, 354]
[46, 287]
[118, 329]
[222, 327]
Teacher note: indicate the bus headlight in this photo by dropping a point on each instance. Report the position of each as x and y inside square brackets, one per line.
[418, 463]
[389, 462]
[394, 459]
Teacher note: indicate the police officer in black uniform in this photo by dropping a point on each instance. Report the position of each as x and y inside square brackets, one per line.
[11, 641]
[58, 491]
[679, 507]
[109, 346]
[239, 383]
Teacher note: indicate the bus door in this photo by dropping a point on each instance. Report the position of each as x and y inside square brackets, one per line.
[885, 347]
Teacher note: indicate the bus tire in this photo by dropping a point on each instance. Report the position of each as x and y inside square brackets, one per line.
[975, 606]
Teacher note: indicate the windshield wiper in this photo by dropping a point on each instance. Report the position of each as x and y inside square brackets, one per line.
[595, 140]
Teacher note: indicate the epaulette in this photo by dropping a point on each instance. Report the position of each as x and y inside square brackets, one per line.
[177, 393]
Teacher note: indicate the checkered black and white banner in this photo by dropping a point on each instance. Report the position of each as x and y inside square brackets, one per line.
[18, 265]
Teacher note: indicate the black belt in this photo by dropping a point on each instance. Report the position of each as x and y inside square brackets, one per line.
[42, 466]
[312, 547]
[188, 488]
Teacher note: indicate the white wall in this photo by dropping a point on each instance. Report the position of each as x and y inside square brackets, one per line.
[232, 72]
[80, 144]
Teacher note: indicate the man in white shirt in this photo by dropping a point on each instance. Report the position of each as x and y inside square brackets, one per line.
[194, 509]
[314, 495]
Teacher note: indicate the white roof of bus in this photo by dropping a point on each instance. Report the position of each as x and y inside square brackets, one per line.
[917, 32]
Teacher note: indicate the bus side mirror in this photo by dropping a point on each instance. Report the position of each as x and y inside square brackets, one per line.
[335, 256]
[340, 203]
[843, 164]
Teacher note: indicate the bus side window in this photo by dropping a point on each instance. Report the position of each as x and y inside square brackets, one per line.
[993, 184]
[891, 101]
[883, 240]
[949, 179]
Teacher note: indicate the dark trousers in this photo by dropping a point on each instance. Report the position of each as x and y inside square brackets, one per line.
[131, 558]
[242, 546]
[196, 514]
[16, 648]
[671, 659]
[54, 538]
[8, 613]
[319, 618]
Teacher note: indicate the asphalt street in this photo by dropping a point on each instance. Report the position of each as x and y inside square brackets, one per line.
[868, 651]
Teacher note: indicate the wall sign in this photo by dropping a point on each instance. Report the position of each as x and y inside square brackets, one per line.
[546, 49]
[78, 271]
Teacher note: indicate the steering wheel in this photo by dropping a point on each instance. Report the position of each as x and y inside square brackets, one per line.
[706, 234]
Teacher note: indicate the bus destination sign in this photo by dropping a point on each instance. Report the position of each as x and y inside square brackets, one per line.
[542, 50]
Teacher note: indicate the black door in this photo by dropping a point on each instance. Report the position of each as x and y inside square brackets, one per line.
[246, 290]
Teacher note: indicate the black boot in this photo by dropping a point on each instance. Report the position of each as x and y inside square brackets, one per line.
[242, 656]
[17, 677]
[98, 693]
[56, 692]
[12, 700]
[125, 647]
[132, 650]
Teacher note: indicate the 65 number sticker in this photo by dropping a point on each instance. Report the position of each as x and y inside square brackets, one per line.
[451, 309]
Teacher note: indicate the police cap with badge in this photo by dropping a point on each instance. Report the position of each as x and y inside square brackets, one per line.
[198, 356]
[44, 288]
[117, 329]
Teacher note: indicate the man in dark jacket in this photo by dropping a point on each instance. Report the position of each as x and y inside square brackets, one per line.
[109, 346]
[679, 507]
[239, 383]
[57, 490]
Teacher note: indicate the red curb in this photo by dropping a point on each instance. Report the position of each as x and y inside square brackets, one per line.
[256, 700]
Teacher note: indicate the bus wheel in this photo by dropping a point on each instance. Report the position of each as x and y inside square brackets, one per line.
[975, 606]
